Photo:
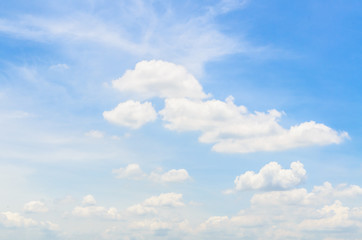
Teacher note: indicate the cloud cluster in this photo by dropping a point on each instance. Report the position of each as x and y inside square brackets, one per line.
[13, 219]
[271, 176]
[134, 171]
[89, 209]
[229, 127]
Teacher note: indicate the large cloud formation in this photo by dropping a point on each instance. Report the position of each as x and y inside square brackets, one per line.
[229, 127]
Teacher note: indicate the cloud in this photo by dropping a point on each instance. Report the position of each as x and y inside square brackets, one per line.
[35, 207]
[335, 217]
[271, 176]
[96, 211]
[292, 214]
[89, 209]
[140, 209]
[161, 79]
[174, 175]
[94, 134]
[165, 199]
[131, 171]
[12, 219]
[131, 114]
[300, 196]
[89, 200]
[134, 171]
[233, 129]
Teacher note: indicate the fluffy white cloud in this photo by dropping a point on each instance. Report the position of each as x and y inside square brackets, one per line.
[95, 134]
[165, 199]
[131, 114]
[140, 209]
[35, 206]
[96, 211]
[12, 219]
[174, 175]
[89, 200]
[271, 176]
[335, 217]
[132, 171]
[319, 194]
[233, 129]
[159, 79]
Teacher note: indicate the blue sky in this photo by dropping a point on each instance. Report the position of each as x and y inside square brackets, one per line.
[191, 120]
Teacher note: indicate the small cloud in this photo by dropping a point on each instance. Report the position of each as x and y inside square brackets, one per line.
[59, 67]
[174, 175]
[94, 134]
[35, 207]
[89, 200]
[132, 171]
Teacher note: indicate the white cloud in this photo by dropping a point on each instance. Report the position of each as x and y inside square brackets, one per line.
[335, 217]
[89, 200]
[132, 171]
[319, 194]
[96, 211]
[94, 134]
[35, 206]
[174, 175]
[233, 129]
[12, 219]
[157, 78]
[140, 209]
[131, 114]
[271, 176]
[165, 199]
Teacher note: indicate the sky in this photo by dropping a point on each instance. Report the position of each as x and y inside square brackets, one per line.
[210, 119]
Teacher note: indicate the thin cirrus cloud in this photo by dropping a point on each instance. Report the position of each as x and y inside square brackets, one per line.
[271, 176]
[229, 127]
[134, 171]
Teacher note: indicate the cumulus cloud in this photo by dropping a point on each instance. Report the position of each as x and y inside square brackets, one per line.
[132, 171]
[35, 207]
[300, 196]
[335, 217]
[271, 176]
[157, 78]
[12, 219]
[293, 214]
[89, 200]
[174, 175]
[140, 209]
[233, 129]
[165, 199]
[89, 209]
[96, 211]
[132, 114]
